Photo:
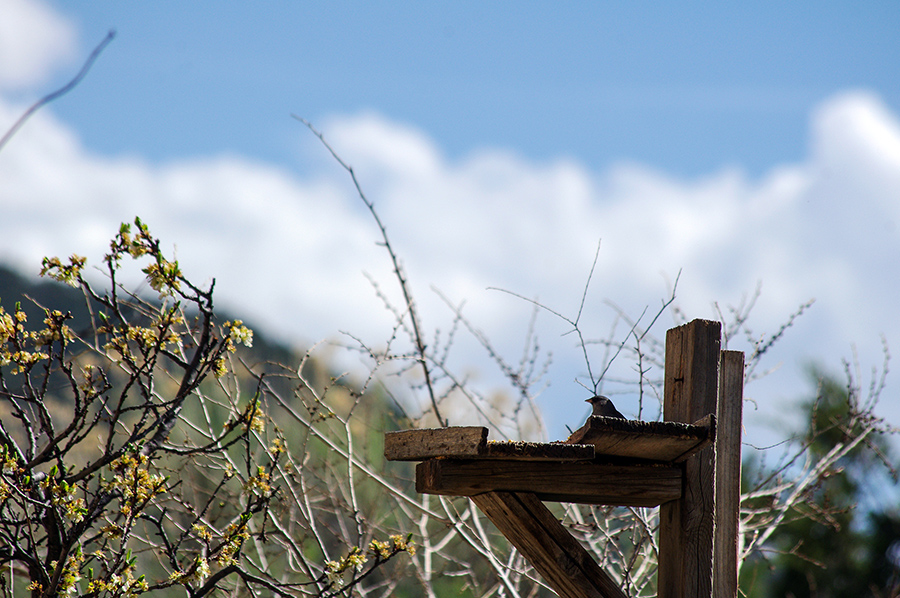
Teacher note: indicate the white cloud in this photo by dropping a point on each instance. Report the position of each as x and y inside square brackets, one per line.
[289, 252]
[33, 40]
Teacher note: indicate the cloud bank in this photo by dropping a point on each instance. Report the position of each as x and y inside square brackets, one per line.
[290, 251]
[33, 40]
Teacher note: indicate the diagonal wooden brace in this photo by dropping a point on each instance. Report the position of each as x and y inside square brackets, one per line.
[549, 547]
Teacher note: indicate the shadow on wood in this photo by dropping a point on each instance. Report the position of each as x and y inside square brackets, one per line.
[646, 485]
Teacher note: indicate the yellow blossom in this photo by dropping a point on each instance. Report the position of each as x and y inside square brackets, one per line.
[68, 274]
[333, 571]
[219, 368]
[202, 531]
[238, 333]
[277, 447]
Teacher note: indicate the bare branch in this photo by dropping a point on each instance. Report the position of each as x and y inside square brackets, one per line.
[398, 270]
[59, 92]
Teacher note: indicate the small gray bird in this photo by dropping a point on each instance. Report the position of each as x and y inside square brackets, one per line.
[603, 406]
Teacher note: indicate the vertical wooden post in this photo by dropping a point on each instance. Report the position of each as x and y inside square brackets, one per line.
[686, 525]
[728, 474]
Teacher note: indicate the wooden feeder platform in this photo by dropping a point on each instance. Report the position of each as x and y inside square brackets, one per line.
[690, 470]
[608, 461]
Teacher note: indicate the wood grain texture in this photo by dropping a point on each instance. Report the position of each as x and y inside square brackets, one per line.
[728, 474]
[472, 443]
[687, 524]
[549, 547]
[416, 445]
[650, 441]
[583, 482]
[538, 451]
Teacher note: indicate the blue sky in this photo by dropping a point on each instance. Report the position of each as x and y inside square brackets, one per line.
[687, 87]
[743, 145]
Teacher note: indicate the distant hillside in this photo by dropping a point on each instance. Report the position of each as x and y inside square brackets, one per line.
[51, 294]
[54, 295]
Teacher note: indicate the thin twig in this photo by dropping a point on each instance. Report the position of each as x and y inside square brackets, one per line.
[398, 270]
[595, 382]
[61, 91]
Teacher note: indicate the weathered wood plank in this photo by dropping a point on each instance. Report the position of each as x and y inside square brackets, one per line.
[416, 445]
[600, 436]
[472, 443]
[686, 525]
[538, 451]
[549, 547]
[728, 474]
[585, 482]
[653, 441]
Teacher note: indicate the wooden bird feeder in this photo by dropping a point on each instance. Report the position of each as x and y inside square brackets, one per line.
[688, 465]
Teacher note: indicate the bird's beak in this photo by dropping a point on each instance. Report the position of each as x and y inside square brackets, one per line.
[589, 400]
